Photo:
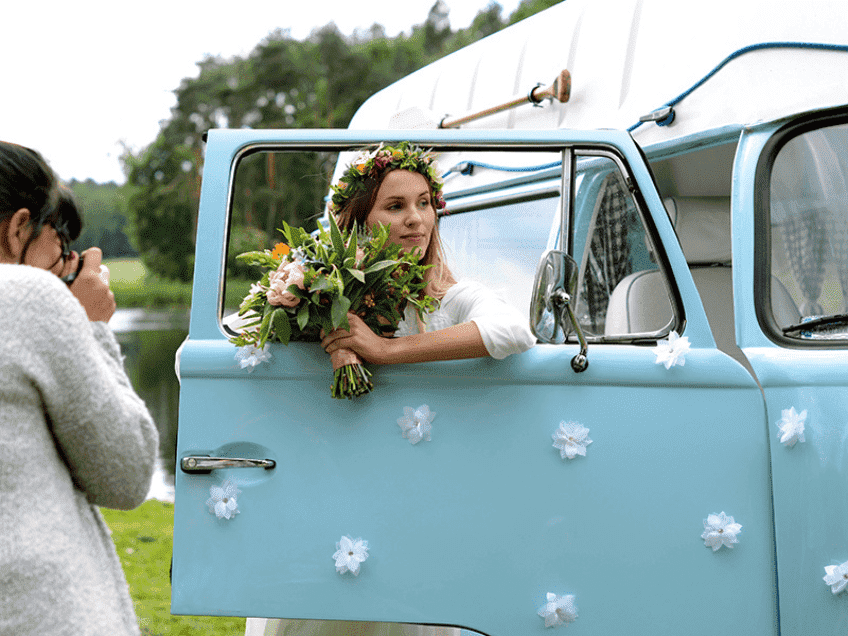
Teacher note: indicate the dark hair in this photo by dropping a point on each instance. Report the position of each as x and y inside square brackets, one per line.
[68, 218]
[26, 181]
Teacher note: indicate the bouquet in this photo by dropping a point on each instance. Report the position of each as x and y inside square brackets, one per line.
[313, 281]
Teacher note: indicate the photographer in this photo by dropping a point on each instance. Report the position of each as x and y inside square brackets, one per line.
[73, 433]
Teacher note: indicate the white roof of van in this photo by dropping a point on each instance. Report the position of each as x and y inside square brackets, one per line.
[628, 58]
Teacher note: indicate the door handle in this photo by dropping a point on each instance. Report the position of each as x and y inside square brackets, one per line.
[204, 464]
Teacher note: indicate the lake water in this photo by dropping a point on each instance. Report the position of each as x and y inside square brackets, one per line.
[149, 340]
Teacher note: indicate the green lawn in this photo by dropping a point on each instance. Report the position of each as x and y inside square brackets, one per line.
[144, 540]
[135, 286]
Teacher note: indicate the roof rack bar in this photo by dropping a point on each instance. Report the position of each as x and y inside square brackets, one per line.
[559, 90]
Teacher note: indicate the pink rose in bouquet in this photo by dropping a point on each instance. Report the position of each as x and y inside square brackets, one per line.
[279, 281]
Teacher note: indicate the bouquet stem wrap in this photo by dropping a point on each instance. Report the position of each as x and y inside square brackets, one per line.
[350, 378]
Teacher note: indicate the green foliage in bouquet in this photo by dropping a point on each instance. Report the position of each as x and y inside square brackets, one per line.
[311, 282]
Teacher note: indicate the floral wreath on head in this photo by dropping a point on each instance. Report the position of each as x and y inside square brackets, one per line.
[372, 163]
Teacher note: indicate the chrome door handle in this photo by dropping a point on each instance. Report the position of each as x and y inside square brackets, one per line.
[205, 464]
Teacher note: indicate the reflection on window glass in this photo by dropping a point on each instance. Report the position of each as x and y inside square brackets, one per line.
[498, 246]
[501, 246]
[269, 188]
[621, 290]
[809, 232]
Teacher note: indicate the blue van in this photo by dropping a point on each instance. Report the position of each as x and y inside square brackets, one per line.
[677, 234]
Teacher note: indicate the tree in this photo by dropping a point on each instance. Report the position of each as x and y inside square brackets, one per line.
[105, 222]
[163, 208]
[437, 27]
[319, 82]
[530, 7]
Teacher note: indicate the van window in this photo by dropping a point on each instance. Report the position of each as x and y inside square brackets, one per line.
[500, 246]
[269, 188]
[809, 235]
[496, 242]
[496, 228]
[622, 292]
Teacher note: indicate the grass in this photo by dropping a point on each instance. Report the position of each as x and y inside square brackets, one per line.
[135, 286]
[144, 540]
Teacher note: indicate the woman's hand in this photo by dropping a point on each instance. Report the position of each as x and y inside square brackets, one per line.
[360, 339]
[91, 287]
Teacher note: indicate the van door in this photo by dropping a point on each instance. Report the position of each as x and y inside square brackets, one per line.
[793, 328]
[537, 483]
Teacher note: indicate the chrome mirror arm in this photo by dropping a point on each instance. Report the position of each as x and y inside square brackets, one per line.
[551, 308]
[562, 300]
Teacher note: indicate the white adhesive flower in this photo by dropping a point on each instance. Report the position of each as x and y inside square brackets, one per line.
[792, 426]
[250, 356]
[558, 610]
[350, 553]
[719, 530]
[836, 577]
[672, 351]
[415, 423]
[571, 439]
[222, 501]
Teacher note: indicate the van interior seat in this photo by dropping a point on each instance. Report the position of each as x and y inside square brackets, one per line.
[640, 302]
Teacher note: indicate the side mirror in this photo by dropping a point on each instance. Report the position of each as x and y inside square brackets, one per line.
[551, 311]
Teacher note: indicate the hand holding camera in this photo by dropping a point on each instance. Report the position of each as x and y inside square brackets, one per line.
[90, 284]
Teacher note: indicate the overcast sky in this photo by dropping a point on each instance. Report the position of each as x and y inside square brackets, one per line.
[81, 78]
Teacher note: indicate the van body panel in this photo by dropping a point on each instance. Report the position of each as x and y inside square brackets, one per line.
[474, 527]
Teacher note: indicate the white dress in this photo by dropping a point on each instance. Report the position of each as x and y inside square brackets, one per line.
[504, 331]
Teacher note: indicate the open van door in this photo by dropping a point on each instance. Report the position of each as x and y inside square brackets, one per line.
[499, 509]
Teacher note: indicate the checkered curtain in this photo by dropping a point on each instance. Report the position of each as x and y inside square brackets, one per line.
[810, 192]
[837, 236]
[805, 238]
[609, 251]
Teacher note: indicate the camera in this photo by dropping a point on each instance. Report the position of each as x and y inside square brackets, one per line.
[70, 278]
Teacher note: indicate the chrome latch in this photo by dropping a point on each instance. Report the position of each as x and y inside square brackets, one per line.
[204, 464]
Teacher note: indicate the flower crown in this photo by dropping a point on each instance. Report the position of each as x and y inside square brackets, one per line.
[371, 163]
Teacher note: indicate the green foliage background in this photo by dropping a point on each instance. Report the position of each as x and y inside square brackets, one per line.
[319, 82]
[106, 221]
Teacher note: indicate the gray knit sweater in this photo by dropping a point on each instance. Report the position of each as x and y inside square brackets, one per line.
[73, 436]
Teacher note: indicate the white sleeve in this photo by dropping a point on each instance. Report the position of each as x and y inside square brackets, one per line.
[503, 329]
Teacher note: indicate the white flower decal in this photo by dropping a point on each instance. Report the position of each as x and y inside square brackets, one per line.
[350, 553]
[558, 610]
[719, 530]
[250, 356]
[672, 351]
[792, 426]
[222, 501]
[836, 577]
[571, 439]
[415, 423]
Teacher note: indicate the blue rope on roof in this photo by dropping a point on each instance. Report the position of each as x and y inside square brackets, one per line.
[466, 167]
[747, 49]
